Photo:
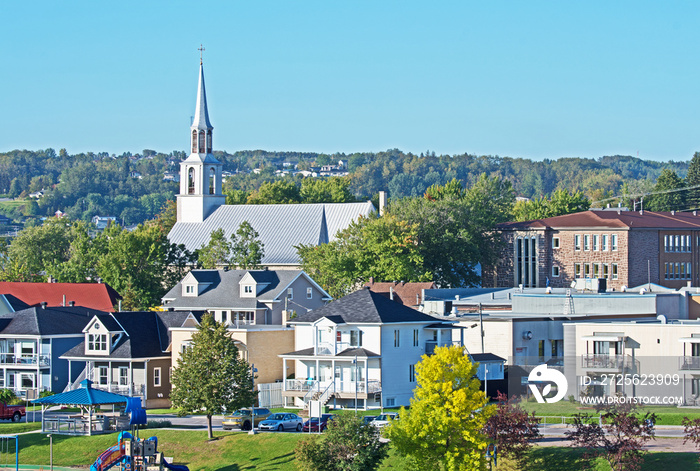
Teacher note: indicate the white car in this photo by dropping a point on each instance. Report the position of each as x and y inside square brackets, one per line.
[282, 421]
[383, 420]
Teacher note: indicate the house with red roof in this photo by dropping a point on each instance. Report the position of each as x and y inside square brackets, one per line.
[626, 248]
[99, 296]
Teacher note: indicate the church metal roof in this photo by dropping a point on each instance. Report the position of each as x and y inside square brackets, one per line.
[281, 227]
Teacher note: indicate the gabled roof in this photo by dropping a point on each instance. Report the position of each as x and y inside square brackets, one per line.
[364, 307]
[45, 322]
[98, 296]
[145, 334]
[281, 227]
[224, 290]
[348, 352]
[610, 219]
[85, 395]
[408, 294]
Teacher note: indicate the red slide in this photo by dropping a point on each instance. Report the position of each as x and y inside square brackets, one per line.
[108, 458]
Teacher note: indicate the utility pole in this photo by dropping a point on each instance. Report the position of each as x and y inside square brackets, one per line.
[481, 327]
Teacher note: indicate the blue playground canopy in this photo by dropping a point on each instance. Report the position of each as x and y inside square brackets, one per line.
[85, 395]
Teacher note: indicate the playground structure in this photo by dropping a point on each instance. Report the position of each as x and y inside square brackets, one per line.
[9, 452]
[133, 454]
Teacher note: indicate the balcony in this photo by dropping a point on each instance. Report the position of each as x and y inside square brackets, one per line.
[124, 390]
[430, 345]
[25, 359]
[341, 387]
[689, 363]
[608, 362]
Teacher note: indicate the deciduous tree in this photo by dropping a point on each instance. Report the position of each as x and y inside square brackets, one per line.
[512, 429]
[247, 250]
[210, 375]
[443, 428]
[216, 253]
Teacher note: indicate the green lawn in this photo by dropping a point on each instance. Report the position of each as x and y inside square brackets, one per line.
[667, 415]
[275, 451]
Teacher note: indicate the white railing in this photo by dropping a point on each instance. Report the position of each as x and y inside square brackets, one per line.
[26, 359]
[301, 385]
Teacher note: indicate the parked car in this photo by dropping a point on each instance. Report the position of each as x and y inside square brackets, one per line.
[314, 425]
[281, 422]
[368, 419]
[14, 413]
[383, 420]
[245, 419]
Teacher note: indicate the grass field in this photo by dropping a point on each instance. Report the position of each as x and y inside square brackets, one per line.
[275, 451]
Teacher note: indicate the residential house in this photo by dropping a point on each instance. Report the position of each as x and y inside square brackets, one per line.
[101, 222]
[256, 305]
[129, 353]
[361, 350]
[201, 207]
[408, 294]
[98, 296]
[626, 248]
[31, 342]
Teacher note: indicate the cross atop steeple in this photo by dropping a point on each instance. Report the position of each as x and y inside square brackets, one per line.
[200, 49]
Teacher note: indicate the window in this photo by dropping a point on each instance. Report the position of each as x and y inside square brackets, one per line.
[587, 242]
[190, 181]
[309, 293]
[102, 377]
[596, 239]
[577, 270]
[201, 142]
[209, 142]
[613, 241]
[189, 289]
[577, 242]
[606, 270]
[586, 270]
[27, 381]
[390, 402]
[123, 376]
[555, 271]
[411, 373]
[416, 333]
[355, 338]
[526, 261]
[156, 376]
[248, 289]
[396, 338]
[290, 293]
[338, 336]
[596, 271]
[194, 142]
[212, 179]
[555, 242]
[224, 317]
[540, 349]
[97, 342]
[605, 243]
[614, 271]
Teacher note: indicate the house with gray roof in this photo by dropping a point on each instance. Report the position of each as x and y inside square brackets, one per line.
[31, 342]
[243, 298]
[201, 207]
[361, 350]
[129, 353]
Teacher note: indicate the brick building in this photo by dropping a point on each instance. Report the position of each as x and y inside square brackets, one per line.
[627, 248]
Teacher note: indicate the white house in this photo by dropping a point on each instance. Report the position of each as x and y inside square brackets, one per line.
[361, 350]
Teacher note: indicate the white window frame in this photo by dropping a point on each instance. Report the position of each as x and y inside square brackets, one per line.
[309, 293]
[604, 242]
[125, 377]
[100, 376]
[586, 242]
[577, 242]
[613, 242]
[613, 271]
[555, 242]
[157, 377]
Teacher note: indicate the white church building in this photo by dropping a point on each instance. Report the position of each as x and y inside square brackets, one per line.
[201, 207]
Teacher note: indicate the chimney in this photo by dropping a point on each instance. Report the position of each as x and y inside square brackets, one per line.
[64, 301]
[391, 293]
[44, 304]
[382, 202]
[673, 213]
[71, 303]
[371, 281]
[695, 213]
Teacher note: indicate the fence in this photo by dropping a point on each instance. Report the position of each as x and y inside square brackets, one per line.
[270, 395]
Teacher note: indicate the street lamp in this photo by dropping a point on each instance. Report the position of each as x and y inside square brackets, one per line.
[50, 450]
[253, 370]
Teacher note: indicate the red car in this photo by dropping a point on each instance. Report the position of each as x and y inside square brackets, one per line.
[313, 423]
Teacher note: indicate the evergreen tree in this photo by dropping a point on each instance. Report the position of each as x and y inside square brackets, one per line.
[216, 253]
[210, 375]
[665, 199]
[693, 179]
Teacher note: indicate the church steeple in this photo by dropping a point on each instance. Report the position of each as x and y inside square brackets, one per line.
[201, 127]
[200, 174]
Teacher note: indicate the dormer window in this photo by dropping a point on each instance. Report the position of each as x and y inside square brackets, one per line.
[247, 289]
[189, 290]
[97, 342]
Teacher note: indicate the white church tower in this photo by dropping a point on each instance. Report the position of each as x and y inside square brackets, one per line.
[200, 174]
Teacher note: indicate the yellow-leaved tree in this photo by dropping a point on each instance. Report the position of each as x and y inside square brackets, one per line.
[443, 427]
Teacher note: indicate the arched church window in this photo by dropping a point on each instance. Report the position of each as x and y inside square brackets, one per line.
[209, 141]
[201, 141]
[194, 141]
[190, 181]
[212, 176]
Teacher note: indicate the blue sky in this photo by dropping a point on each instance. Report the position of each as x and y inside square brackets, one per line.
[520, 79]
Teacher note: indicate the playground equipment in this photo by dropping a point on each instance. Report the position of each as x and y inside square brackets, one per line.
[9, 452]
[131, 453]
